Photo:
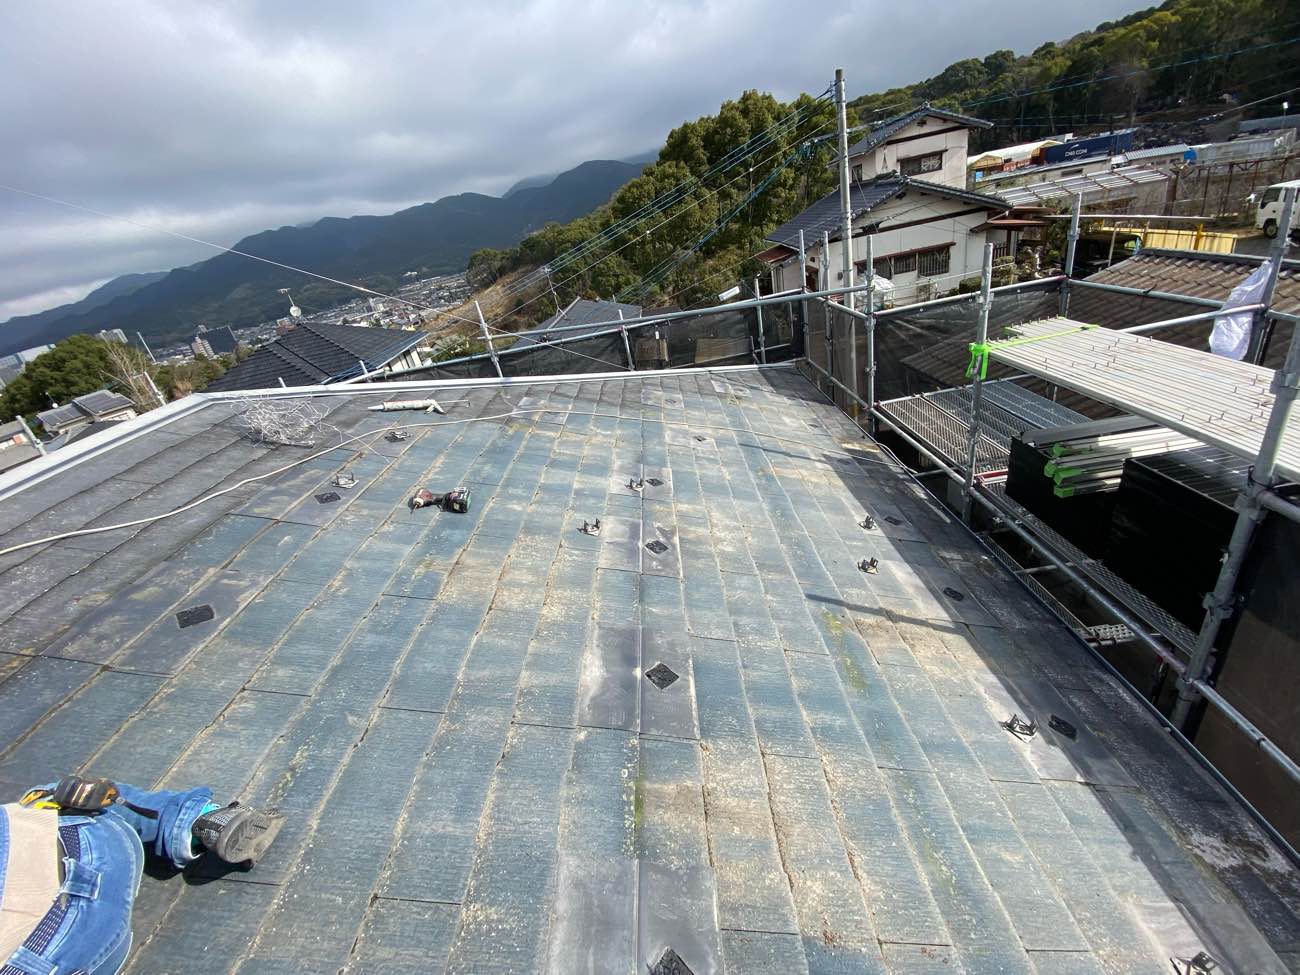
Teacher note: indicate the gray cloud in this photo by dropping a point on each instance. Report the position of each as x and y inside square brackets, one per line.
[222, 119]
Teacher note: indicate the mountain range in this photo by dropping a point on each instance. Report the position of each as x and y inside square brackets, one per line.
[229, 289]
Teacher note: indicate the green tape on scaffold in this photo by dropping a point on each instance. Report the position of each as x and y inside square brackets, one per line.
[979, 351]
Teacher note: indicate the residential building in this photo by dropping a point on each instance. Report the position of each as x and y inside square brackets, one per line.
[926, 237]
[214, 342]
[697, 739]
[111, 335]
[100, 406]
[314, 354]
[928, 143]
[17, 445]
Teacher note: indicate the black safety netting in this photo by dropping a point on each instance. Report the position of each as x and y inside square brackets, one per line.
[723, 338]
[916, 350]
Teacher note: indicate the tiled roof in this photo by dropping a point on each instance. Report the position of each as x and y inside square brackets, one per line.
[315, 353]
[824, 215]
[581, 311]
[1196, 274]
[453, 712]
[890, 127]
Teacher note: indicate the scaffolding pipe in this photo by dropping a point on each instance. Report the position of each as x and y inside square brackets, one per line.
[1121, 289]
[1230, 712]
[487, 337]
[1184, 320]
[825, 283]
[627, 346]
[803, 288]
[977, 379]
[951, 299]
[1261, 327]
[1071, 243]
[1279, 505]
[758, 312]
[1221, 602]
[851, 393]
[870, 319]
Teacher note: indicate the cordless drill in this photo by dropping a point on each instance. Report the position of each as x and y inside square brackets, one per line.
[457, 500]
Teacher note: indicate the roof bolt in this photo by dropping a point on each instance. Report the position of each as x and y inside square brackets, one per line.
[345, 479]
[867, 522]
[591, 528]
[871, 566]
[635, 484]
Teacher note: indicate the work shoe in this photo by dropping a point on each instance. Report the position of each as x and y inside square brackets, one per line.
[237, 834]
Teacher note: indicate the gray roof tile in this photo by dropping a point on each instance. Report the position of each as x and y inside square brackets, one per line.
[824, 215]
[889, 127]
[453, 709]
[316, 353]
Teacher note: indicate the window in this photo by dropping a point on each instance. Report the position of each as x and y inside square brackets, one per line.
[933, 262]
[931, 162]
[1271, 195]
[857, 173]
[904, 263]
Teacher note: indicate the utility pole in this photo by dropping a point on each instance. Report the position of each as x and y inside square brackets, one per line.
[846, 203]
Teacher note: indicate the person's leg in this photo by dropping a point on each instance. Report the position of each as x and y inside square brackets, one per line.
[183, 825]
[163, 820]
[88, 928]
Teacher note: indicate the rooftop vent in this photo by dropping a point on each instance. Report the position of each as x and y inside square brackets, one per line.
[195, 614]
[656, 546]
[661, 676]
[329, 497]
[670, 963]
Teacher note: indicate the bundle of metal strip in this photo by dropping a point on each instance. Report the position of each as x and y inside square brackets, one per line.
[1207, 397]
[1091, 464]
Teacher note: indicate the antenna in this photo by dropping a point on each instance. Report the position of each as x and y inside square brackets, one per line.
[294, 310]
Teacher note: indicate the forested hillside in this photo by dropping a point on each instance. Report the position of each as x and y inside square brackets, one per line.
[1175, 63]
[1166, 66]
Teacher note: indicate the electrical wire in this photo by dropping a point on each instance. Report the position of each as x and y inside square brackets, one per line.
[226, 250]
[694, 203]
[674, 195]
[150, 519]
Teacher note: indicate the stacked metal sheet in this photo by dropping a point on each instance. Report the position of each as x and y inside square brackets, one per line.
[1092, 464]
[1207, 397]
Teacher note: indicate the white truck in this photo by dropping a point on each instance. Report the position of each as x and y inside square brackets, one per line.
[1269, 214]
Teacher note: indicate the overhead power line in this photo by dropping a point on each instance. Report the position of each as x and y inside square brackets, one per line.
[775, 132]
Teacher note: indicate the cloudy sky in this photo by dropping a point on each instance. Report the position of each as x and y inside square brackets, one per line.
[221, 119]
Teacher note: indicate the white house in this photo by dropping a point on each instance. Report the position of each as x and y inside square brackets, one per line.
[928, 143]
[927, 230]
[925, 238]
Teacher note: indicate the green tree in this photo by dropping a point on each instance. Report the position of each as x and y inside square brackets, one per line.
[79, 364]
